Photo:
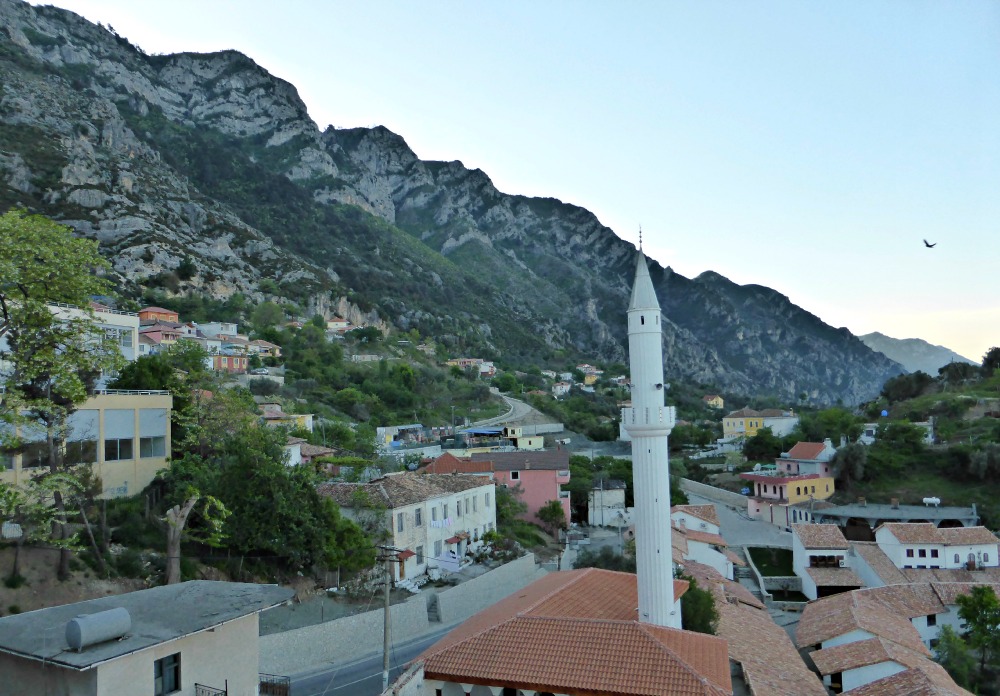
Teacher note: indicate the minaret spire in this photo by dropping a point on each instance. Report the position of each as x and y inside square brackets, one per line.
[648, 423]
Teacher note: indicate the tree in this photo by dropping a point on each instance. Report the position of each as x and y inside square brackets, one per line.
[213, 513]
[849, 463]
[698, 612]
[953, 654]
[606, 558]
[32, 508]
[509, 505]
[980, 610]
[763, 446]
[552, 517]
[991, 361]
[55, 355]
[267, 314]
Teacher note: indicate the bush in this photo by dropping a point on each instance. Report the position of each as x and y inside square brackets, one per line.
[15, 581]
[129, 564]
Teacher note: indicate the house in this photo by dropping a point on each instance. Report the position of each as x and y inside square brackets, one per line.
[264, 349]
[820, 560]
[869, 432]
[515, 435]
[706, 548]
[742, 423]
[435, 519]
[338, 324]
[713, 401]
[273, 416]
[784, 499]
[487, 369]
[606, 505]
[808, 458]
[703, 518]
[171, 639]
[125, 435]
[229, 361]
[539, 475]
[781, 423]
[549, 374]
[162, 333]
[154, 314]
[869, 641]
[560, 389]
[220, 328]
[922, 545]
[574, 632]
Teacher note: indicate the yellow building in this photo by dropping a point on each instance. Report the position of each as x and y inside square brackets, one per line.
[713, 400]
[125, 435]
[743, 423]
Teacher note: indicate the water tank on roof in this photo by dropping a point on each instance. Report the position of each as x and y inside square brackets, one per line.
[932, 501]
[91, 629]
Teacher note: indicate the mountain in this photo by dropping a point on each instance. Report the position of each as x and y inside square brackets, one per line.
[913, 353]
[210, 161]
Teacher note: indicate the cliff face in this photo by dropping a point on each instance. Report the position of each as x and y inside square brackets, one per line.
[210, 157]
[913, 353]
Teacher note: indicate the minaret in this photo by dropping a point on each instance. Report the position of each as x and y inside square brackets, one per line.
[649, 422]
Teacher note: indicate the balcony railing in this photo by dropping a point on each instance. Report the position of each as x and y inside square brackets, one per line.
[202, 690]
[130, 392]
[274, 685]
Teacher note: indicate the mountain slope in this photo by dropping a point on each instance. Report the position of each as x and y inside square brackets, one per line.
[211, 157]
[913, 353]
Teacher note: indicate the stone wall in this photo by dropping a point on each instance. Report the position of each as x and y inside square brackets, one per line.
[352, 637]
[718, 495]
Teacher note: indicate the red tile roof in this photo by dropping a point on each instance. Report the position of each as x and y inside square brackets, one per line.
[576, 631]
[702, 512]
[820, 536]
[806, 450]
[930, 679]
[834, 577]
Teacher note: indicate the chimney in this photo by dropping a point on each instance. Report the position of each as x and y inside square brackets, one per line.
[894, 502]
[862, 502]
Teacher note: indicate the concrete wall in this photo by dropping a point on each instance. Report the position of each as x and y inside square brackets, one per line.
[718, 495]
[298, 650]
[22, 677]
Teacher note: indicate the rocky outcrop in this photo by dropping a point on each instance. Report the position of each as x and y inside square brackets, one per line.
[210, 157]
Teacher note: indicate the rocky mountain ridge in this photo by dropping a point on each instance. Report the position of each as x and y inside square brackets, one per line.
[914, 353]
[210, 158]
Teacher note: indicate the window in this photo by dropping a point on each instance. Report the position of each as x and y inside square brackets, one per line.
[115, 450]
[934, 553]
[152, 447]
[922, 553]
[467, 508]
[642, 320]
[167, 675]
[956, 559]
[515, 476]
[420, 554]
[798, 490]
[81, 452]
[399, 522]
[474, 503]
[437, 549]
[932, 619]
[444, 510]
[458, 508]
[487, 500]
[986, 558]
[909, 553]
[418, 518]
[434, 514]
[814, 489]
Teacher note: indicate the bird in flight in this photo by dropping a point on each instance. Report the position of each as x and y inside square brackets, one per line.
[929, 245]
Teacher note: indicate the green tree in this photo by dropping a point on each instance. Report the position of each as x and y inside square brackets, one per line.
[764, 446]
[849, 463]
[552, 517]
[991, 361]
[266, 315]
[833, 423]
[953, 654]
[698, 612]
[32, 508]
[509, 505]
[606, 558]
[980, 610]
[54, 356]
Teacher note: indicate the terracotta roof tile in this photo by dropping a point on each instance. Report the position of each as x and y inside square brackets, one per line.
[703, 537]
[927, 681]
[835, 577]
[524, 461]
[937, 575]
[958, 536]
[406, 488]
[806, 450]
[820, 536]
[830, 617]
[878, 561]
[913, 532]
[702, 512]
[576, 630]
[743, 413]
[948, 591]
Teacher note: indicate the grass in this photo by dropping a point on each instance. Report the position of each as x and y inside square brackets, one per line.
[772, 562]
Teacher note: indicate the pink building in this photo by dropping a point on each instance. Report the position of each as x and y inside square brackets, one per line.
[540, 475]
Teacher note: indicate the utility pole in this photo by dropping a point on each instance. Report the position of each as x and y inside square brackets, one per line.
[389, 557]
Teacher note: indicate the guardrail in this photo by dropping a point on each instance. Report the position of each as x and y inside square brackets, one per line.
[274, 685]
[130, 392]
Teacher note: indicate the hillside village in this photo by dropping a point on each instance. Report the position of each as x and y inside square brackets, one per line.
[191, 441]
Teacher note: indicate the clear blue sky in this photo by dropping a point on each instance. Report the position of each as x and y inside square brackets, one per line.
[805, 146]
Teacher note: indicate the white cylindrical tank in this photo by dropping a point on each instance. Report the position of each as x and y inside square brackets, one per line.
[91, 629]
[932, 501]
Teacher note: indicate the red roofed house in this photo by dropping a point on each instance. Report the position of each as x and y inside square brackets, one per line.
[572, 632]
[922, 545]
[807, 458]
[540, 475]
[713, 400]
[819, 559]
[153, 314]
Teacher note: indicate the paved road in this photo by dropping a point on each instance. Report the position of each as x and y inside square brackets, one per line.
[739, 530]
[362, 677]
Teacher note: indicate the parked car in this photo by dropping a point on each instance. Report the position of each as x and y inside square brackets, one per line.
[259, 371]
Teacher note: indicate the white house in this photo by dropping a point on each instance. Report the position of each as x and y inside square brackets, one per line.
[606, 505]
[560, 389]
[436, 519]
[703, 518]
[820, 560]
[922, 545]
[165, 640]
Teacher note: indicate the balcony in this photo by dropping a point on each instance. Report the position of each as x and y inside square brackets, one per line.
[274, 685]
[202, 690]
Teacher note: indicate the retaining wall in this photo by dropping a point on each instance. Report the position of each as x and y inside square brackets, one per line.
[718, 495]
[352, 637]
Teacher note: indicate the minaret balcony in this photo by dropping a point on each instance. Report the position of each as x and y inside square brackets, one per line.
[640, 419]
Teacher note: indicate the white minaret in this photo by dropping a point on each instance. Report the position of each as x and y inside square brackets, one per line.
[648, 422]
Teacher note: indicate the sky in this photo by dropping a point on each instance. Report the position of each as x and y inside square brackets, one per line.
[808, 147]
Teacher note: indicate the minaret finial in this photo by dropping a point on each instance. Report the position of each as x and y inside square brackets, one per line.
[640, 237]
